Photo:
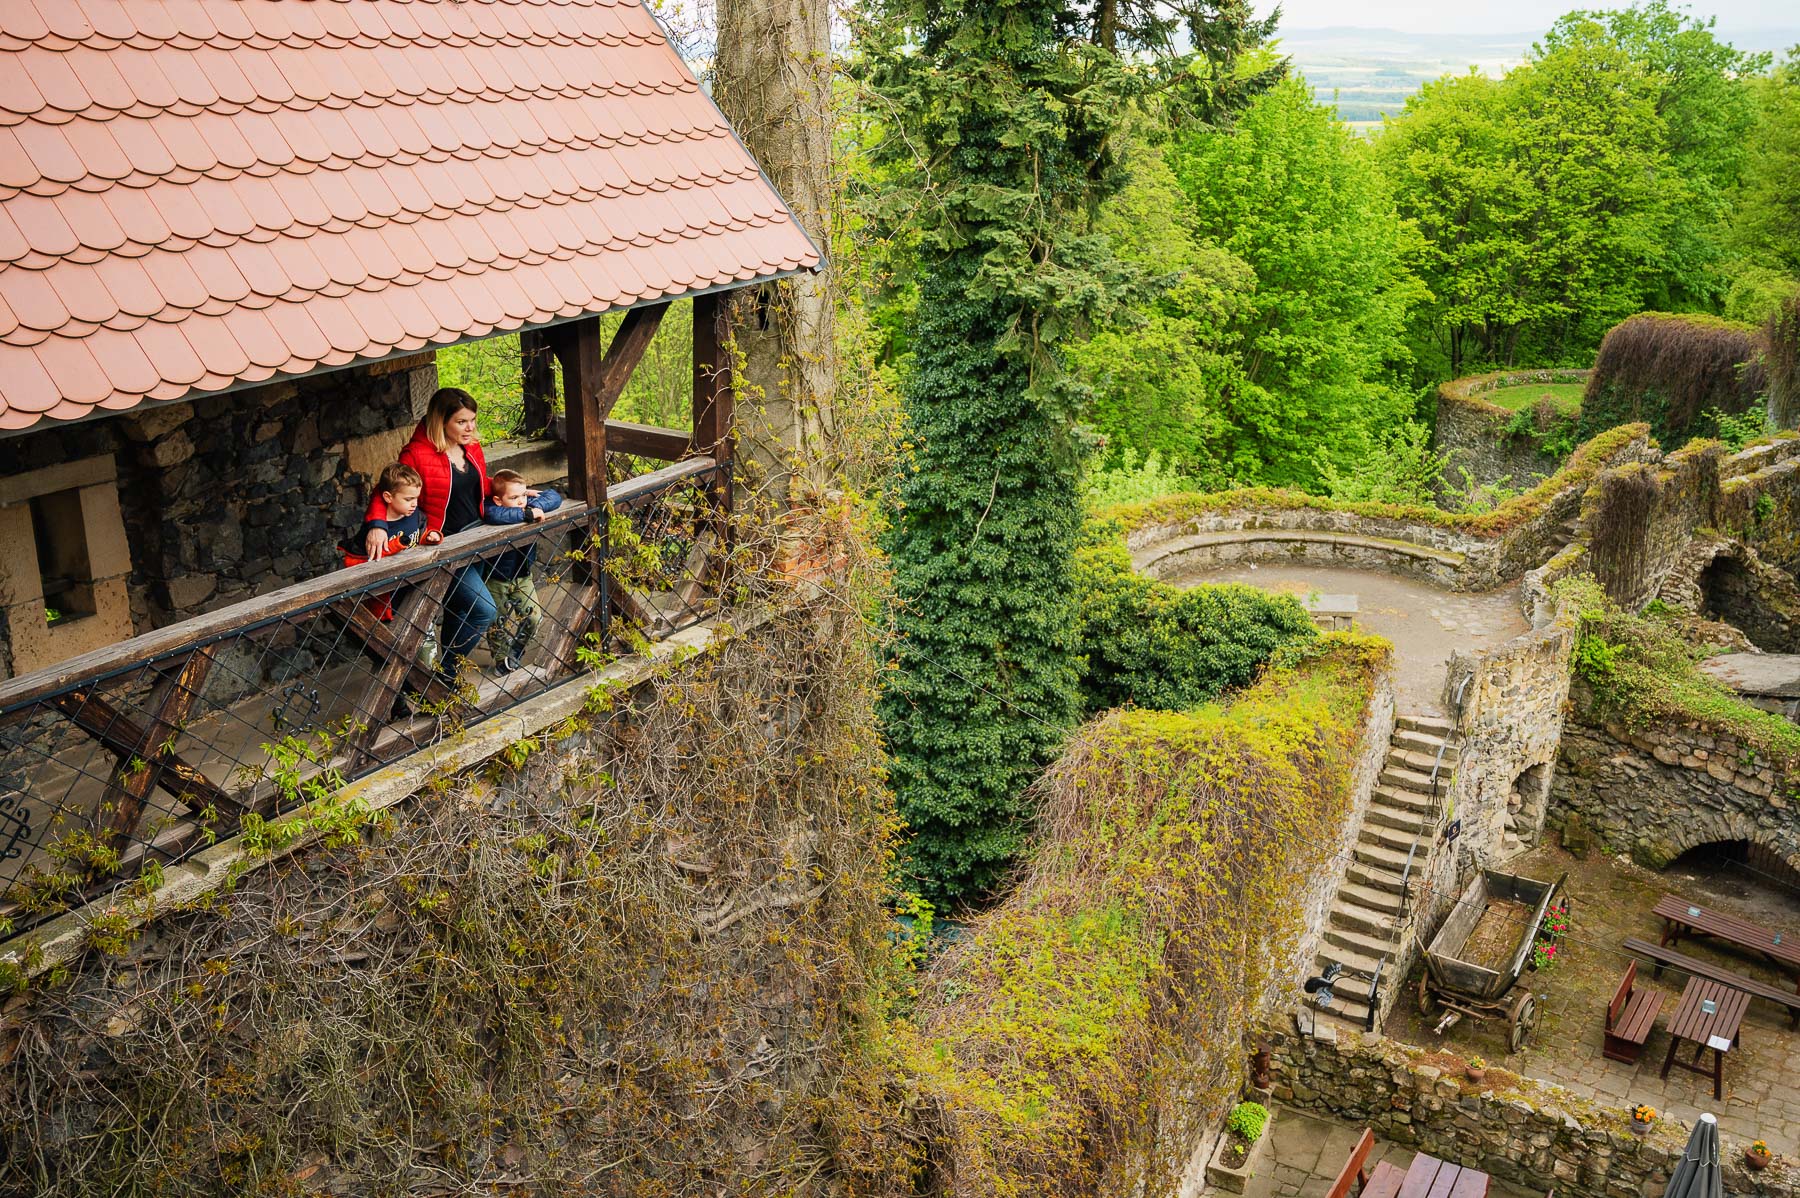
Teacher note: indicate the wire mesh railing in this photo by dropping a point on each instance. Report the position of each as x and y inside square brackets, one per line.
[122, 761]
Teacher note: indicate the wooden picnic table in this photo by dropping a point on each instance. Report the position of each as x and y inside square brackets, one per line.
[1716, 1029]
[1682, 918]
[1427, 1177]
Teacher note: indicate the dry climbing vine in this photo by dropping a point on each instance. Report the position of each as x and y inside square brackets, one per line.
[626, 958]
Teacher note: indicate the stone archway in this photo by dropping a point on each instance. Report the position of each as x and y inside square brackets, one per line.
[1725, 580]
[1714, 827]
[1528, 800]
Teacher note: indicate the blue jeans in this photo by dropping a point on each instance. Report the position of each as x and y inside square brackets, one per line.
[468, 611]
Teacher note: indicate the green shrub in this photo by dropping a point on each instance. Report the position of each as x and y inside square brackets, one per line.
[1247, 1120]
[1154, 645]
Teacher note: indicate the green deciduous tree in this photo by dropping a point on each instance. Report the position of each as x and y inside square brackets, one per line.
[1765, 233]
[1292, 193]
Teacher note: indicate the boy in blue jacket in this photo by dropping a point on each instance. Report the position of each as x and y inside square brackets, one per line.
[509, 579]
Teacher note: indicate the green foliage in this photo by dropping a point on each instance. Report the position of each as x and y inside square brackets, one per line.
[1400, 467]
[1590, 182]
[1554, 430]
[1247, 1121]
[1639, 670]
[1011, 129]
[1765, 229]
[1734, 432]
[1153, 914]
[1132, 481]
[1296, 196]
[1150, 644]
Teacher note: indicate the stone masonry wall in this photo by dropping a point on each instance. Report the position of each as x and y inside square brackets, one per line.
[1534, 1135]
[1472, 435]
[230, 496]
[1510, 721]
[1658, 792]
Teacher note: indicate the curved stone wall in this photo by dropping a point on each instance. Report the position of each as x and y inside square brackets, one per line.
[1472, 432]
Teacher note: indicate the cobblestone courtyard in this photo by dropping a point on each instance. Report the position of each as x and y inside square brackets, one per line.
[1612, 900]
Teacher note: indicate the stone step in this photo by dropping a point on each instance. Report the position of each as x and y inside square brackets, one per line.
[1406, 819]
[1406, 800]
[1411, 759]
[1404, 779]
[1511, 845]
[1372, 898]
[1353, 917]
[1374, 876]
[1361, 943]
[1418, 742]
[1352, 986]
[1398, 839]
[1350, 959]
[1436, 725]
[1382, 856]
[1348, 1014]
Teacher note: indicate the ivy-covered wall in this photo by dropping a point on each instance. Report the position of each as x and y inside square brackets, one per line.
[1086, 1033]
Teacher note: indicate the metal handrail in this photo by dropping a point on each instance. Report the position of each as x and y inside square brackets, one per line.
[1375, 993]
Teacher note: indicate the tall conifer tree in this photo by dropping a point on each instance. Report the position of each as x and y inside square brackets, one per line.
[1009, 113]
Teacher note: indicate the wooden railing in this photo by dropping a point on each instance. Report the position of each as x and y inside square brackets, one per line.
[134, 756]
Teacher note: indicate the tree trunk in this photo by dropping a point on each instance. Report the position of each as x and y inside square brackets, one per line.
[772, 79]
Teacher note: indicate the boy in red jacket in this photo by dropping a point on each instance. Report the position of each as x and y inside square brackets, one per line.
[392, 523]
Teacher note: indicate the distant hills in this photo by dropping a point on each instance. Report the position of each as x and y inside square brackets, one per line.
[1372, 71]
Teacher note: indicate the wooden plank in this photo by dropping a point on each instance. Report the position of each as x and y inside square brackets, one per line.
[1471, 1183]
[125, 737]
[699, 566]
[414, 617]
[1445, 1181]
[172, 700]
[380, 645]
[1675, 913]
[1384, 1181]
[578, 347]
[647, 440]
[1353, 1166]
[714, 388]
[1419, 1176]
[573, 619]
[537, 377]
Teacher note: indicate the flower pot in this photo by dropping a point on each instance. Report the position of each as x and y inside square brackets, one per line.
[1233, 1178]
[1475, 1074]
[1642, 1126]
[1757, 1161]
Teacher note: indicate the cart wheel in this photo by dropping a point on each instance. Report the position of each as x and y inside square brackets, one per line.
[1524, 1019]
[1427, 1003]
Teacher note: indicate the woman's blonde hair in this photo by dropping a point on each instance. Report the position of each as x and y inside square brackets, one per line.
[445, 403]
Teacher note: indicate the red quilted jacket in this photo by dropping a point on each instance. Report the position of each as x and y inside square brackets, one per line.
[433, 466]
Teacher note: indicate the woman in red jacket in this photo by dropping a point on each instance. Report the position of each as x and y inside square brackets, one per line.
[447, 454]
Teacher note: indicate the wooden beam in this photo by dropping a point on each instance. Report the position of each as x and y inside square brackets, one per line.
[413, 616]
[537, 376]
[126, 739]
[173, 699]
[713, 387]
[646, 440]
[592, 385]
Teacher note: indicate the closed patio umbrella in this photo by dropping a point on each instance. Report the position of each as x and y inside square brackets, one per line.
[1697, 1176]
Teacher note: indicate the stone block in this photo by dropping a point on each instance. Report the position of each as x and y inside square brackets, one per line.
[154, 420]
[171, 450]
[368, 455]
[188, 592]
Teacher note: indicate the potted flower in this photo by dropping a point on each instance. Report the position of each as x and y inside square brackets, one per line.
[1476, 1069]
[1642, 1116]
[1758, 1156]
[1235, 1161]
[1550, 933]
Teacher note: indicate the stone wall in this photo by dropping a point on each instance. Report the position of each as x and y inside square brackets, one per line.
[1509, 720]
[1472, 434]
[229, 496]
[1759, 500]
[1533, 1135]
[1659, 792]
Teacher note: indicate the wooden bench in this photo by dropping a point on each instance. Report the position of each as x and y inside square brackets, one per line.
[1353, 1168]
[1629, 1018]
[1694, 967]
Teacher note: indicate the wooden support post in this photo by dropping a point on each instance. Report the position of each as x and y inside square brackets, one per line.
[592, 385]
[538, 382]
[713, 392]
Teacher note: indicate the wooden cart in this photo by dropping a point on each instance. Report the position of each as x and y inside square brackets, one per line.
[1494, 902]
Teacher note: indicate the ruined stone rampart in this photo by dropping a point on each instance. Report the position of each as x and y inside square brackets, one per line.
[1473, 436]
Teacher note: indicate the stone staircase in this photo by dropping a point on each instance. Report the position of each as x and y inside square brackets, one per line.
[1364, 927]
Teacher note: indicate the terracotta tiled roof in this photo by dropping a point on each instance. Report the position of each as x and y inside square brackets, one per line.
[201, 193]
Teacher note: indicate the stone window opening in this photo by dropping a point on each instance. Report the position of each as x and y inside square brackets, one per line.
[64, 564]
[1526, 804]
[65, 573]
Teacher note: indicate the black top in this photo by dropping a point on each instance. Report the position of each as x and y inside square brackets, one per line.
[464, 508]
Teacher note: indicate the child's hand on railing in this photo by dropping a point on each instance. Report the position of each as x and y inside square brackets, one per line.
[533, 515]
[432, 537]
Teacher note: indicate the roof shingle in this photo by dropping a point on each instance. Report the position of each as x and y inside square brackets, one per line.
[199, 194]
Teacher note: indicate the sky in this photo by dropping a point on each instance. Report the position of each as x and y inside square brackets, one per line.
[1498, 16]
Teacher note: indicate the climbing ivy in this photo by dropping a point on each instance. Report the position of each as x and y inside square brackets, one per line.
[1009, 127]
